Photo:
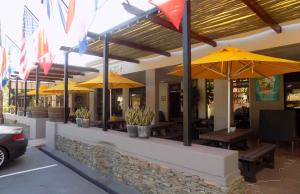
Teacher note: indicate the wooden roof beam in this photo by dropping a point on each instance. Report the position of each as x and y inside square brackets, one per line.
[50, 75]
[75, 68]
[164, 23]
[56, 71]
[132, 45]
[43, 77]
[100, 54]
[263, 15]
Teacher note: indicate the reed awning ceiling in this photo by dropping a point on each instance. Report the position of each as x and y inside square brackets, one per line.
[151, 33]
[57, 73]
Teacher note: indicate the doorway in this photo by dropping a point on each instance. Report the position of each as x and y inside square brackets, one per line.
[175, 102]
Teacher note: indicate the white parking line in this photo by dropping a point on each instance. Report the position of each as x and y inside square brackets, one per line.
[26, 171]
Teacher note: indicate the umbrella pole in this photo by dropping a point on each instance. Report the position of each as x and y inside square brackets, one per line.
[110, 104]
[229, 97]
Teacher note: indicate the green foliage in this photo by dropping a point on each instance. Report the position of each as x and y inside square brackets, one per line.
[131, 116]
[145, 117]
[83, 113]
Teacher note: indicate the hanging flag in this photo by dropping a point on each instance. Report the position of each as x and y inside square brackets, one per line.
[2, 67]
[173, 9]
[51, 33]
[3, 61]
[44, 55]
[28, 50]
[80, 16]
[70, 16]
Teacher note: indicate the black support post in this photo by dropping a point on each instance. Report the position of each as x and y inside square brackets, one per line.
[187, 83]
[16, 95]
[25, 97]
[66, 94]
[9, 92]
[105, 82]
[37, 85]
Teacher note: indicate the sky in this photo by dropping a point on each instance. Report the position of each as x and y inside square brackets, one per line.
[110, 15]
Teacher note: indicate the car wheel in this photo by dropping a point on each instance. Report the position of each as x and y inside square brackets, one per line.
[3, 157]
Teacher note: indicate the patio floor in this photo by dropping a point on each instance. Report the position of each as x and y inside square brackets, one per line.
[284, 178]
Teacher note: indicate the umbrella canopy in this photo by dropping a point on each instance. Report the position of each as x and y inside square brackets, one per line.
[233, 63]
[114, 81]
[42, 92]
[72, 88]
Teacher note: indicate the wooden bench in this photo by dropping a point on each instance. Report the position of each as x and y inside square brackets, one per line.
[255, 158]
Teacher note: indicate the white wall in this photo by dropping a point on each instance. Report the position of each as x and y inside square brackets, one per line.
[220, 104]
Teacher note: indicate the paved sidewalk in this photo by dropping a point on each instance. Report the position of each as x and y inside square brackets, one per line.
[37, 173]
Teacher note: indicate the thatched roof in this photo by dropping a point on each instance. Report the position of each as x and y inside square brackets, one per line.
[212, 19]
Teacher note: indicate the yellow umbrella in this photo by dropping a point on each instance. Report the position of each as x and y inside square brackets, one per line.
[42, 92]
[233, 63]
[114, 81]
[72, 88]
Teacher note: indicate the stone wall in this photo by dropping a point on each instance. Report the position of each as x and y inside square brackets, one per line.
[147, 177]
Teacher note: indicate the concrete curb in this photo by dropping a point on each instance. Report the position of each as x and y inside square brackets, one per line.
[99, 179]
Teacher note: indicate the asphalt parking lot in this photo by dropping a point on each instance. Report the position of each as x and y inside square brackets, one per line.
[37, 173]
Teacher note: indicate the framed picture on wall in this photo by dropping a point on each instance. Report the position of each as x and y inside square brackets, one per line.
[267, 89]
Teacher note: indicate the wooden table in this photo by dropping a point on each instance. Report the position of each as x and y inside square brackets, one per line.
[120, 122]
[162, 127]
[225, 138]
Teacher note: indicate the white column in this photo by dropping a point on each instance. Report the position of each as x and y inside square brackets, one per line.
[220, 104]
[93, 105]
[152, 90]
[71, 101]
[125, 95]
[202, 102]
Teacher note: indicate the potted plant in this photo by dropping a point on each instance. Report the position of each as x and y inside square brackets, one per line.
[144, 120]
[85, 118]
[131, 119]
[78, 114]
[28, 112]
[12, 109]
[39, 110]
[57, 113]
[20, 111]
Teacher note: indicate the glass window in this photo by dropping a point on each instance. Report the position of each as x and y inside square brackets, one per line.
[137, 97]
[292, 90]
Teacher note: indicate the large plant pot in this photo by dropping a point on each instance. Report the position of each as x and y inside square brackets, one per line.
[20, 113]
[57, 113]
[132, 130]
[39, 112]
[144, 131]
[79, 122]
[29, 114]
[86, 123]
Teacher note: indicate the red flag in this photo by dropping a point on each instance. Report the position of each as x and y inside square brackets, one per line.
[70, 16]
[44, 54]
[173, 9]
[3, 62]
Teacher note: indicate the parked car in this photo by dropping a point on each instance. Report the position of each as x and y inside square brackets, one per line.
[13, 144]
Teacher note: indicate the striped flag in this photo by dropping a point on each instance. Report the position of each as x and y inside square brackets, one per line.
[28, 50]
